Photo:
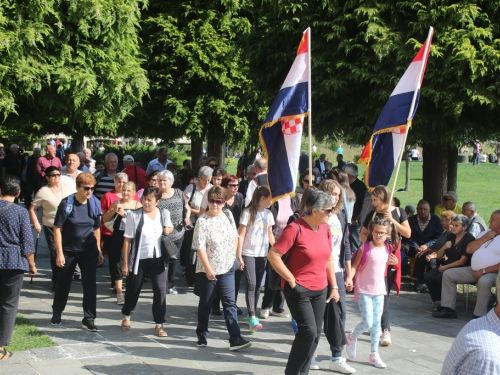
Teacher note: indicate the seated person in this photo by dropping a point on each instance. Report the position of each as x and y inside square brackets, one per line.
[328, 172]
[452, 254]
[476, 223]
[450, 200]
[425, 229]
[485, 263]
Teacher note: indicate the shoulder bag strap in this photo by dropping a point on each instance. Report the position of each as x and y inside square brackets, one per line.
[192, 194]
[5, 208]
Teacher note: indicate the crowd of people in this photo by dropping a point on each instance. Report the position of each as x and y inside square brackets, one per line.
[333, 237]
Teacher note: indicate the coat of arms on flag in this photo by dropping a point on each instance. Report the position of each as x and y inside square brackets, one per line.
[291, 126]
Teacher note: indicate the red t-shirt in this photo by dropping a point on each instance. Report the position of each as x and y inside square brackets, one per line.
[308, 256]
[142, 176]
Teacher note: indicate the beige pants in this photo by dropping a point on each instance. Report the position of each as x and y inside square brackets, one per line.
[463, 275]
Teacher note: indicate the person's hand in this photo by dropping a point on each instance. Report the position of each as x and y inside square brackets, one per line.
[477, 274]
[32, 270]
[393, 260]
[37, 227]
[447, 245]
[167, 230]
[120, 210]
[428, 257]
[334, 294]
[419, 253]
[187, 222]
[388, 216]
[242, 263]
[348, 283]
[211, 275]
[60, 261]
[442, 269]
[489, 235]
[292, 283]
[125, 269]
[100, 258]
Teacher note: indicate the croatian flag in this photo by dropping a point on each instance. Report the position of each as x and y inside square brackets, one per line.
[281, 134]
[384, 147]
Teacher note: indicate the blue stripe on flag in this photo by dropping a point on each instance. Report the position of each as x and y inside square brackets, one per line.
[278, 171]
[382, 160]
[290, 101]
[395, 111]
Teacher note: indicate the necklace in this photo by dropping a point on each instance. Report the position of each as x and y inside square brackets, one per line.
[53, 192]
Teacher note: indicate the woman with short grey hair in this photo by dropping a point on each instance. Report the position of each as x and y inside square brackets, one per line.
[452, 254]
[307, 274]
[173, 200]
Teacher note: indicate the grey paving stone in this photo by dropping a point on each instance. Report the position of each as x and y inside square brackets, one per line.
[60, 367]
[11, 368]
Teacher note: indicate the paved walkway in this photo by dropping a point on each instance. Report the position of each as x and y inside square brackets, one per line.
[420, 342]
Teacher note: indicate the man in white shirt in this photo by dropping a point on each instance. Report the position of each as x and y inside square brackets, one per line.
[260, 178]
[483, 270]
[70, 171]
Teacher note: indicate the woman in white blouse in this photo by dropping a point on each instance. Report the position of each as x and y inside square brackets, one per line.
[142, 256]
[215, 239]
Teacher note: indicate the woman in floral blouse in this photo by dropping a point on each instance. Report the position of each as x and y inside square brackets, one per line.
[215, 240]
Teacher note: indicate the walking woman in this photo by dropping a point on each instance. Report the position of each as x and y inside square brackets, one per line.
[398, 218]
[48, 198]
[120, 209]
[77, 236]
[348, 196]
[173, 201]
[142, 256]
[17, 256]
[306, 276]
[152, 180]
[215, 239]
[341, 254]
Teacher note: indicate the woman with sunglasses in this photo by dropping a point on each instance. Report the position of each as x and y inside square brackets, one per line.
[77, 236]
[305, 183]
[306, 276]
[152, 180]
[398, 218]
[48, 198]
[215, 239]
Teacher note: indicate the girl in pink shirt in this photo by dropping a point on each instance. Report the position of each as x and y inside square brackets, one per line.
[370, 264]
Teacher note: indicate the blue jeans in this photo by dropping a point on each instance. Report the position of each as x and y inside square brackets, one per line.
[225, 286]
[370, 308]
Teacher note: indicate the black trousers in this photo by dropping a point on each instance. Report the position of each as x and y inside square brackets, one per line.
[173, 266]
[87, 261]
[114, 259]
[419, 268]
[274, 299]
[433, 279]
[49, 237]
[339, 276]
[30, 189]
[155, 267]
[11, 282]
[307, 308]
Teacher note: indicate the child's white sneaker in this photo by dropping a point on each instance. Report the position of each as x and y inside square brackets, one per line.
[376, 361]
[351, 346]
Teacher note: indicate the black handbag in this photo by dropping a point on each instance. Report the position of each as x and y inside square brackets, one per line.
[169, 250]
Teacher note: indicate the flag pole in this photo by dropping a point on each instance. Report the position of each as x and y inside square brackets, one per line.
[410, 114]
[309, 108]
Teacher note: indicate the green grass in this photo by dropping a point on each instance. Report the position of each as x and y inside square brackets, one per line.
[27, 336]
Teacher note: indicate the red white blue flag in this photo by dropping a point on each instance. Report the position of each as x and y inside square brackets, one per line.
[383, 150]
[281, 134]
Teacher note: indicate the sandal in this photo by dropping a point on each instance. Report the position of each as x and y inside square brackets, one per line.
[4, 354]
[125, 324]
[160, 332]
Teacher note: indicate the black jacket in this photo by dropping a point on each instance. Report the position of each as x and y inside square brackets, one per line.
[333, 327]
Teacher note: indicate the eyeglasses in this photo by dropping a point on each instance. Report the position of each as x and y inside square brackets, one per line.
[328, 211]
[55, 175]
[379, 233]
[216, 201]
[233, 185]
[213, 165]
[306, 181]
[87, 188]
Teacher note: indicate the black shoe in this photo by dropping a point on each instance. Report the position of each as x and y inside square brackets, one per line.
[217, 312]
[202, 341]
[239, 311]
[88, 324]
[445, 313]
[56, 319]
[240, 343]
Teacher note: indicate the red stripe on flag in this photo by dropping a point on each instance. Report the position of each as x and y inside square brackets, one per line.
[303, 47]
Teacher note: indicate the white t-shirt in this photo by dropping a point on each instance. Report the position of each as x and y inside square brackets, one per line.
[256, 242]
[336, 231]
[488, 254]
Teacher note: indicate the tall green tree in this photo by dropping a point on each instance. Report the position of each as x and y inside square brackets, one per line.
[69, 66]
[361, 48]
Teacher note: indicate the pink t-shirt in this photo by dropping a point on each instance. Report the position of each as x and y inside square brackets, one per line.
[308, 256]
[370, 280]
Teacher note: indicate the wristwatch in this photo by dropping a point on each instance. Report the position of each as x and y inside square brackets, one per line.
[335, 287]
[484, 271]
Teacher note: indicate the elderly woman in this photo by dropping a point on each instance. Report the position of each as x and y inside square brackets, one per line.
[341, 253]
[48, 198]
[173, 201]
[142, 256]
[452, 254]
[215, 239]
[77, 235]
[194, 195]
[431, 257]
[17, 256]
[306, 275]
[107, 199]
[119, 210]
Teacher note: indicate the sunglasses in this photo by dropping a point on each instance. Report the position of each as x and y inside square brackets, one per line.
[55, 175]
[87, 188]
[216, 201]
[328, 212]
[233, 185]
[213, 165]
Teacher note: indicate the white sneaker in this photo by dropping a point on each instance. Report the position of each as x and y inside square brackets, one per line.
[264, 313]
[386, 338]
[351, 346]
[314, 364]
[341, 366]
[375, 360]
[173, 291]
[282, 314]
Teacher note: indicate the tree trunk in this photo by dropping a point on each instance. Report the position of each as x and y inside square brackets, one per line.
[215, 144]
[77, 143]
[435, 173]
[196, 152]
[452, 168]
